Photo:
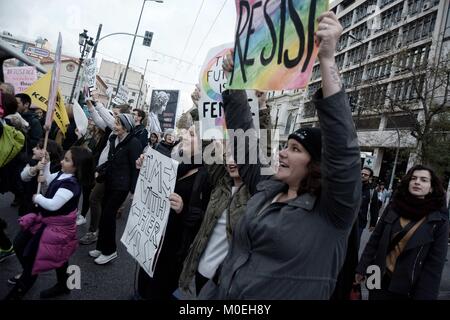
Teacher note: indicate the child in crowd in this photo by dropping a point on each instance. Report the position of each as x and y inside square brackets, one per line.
[48, 238]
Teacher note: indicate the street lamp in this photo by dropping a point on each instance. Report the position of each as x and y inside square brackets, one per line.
[142, 80]
[86, 45]
[134, 38]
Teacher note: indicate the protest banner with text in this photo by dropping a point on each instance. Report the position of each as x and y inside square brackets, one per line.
[274, 45]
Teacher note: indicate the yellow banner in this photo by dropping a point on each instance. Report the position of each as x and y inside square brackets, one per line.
[39, 91]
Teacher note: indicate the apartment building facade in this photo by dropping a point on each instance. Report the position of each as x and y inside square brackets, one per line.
[381, 41]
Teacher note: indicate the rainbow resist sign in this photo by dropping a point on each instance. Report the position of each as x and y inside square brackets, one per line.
[274, 43]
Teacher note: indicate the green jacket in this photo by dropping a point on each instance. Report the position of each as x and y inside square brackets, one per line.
[220, 200]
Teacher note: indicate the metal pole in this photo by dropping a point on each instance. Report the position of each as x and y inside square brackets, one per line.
[99, 31]
[391, 182]
[78, 72]
[140, 88]
[132, 45]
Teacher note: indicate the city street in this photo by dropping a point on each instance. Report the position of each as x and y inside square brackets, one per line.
[113, 281]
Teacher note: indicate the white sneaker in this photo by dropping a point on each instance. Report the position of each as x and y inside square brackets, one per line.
[102, 259]
[80, 220]
[95, 253]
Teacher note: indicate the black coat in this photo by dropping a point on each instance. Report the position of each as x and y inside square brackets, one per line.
[141, 134]
[419, 267]
[35, 131]
[366, 201]
[121, 173]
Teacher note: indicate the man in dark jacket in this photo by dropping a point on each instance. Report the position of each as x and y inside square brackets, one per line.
[369, 200]
[139, 130]
[35, 131]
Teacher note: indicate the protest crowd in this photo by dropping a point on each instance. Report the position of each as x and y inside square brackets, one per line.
[236, 228]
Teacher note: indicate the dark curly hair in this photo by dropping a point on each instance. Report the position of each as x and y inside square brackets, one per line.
[311, 182]
[438, 193]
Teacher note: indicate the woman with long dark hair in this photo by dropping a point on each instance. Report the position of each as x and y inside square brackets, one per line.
[409, 243]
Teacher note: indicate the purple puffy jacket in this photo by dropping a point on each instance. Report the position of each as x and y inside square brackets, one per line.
[58, 241]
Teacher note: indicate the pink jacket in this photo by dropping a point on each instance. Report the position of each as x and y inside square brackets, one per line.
[58, 241]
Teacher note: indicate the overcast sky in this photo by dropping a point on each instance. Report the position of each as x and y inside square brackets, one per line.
[171, 22]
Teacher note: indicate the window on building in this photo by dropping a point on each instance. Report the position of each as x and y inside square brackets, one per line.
[316, 72]
[289, 122]
[385, 43]
[401, 121]
[309, 111]
[384, 3]
[342, 43]
[367, 123]
[312, 88]
[307, 125]
[419, 29]
[346, 21]
[340, 60]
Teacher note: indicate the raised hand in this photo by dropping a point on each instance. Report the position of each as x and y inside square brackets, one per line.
[329, 31]
[195, 96]
[228, 64]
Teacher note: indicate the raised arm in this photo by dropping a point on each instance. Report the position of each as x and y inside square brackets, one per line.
[340, 167]
[99, 122]
[107, 117]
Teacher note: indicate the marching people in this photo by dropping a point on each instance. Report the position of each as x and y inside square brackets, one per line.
[193, 191]
[139, 131]
[105, 120]
[290, 243]
[167, 143]
[369, 203]
[227, 204]
[120, 176]
[153, 140]
[409, 243]
[48, 237]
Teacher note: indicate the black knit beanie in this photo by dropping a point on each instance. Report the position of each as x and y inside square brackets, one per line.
[310, 139]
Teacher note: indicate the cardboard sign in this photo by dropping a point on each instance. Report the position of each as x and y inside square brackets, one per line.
[163, 110]
[212, 83]
[144, 233]
[121, 96]
[89, 73]
[274, 43]
[20, 77]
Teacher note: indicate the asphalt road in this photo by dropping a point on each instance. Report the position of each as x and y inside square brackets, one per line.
[114, 281]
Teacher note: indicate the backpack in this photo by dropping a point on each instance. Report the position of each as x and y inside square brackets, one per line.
[11, 142]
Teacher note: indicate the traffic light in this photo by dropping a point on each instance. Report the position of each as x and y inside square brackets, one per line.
[147, 38]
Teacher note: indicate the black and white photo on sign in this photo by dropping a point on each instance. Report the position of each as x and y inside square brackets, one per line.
[162, 110]
[149, 213]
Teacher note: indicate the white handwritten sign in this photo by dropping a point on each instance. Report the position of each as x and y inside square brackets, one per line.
[149, 213]
[89, 72]
[20, 77]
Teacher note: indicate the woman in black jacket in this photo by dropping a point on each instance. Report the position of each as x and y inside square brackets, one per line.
[409, 244]
[120, 178]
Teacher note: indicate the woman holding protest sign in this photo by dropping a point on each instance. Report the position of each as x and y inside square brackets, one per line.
[193, 190]
[291, 242]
